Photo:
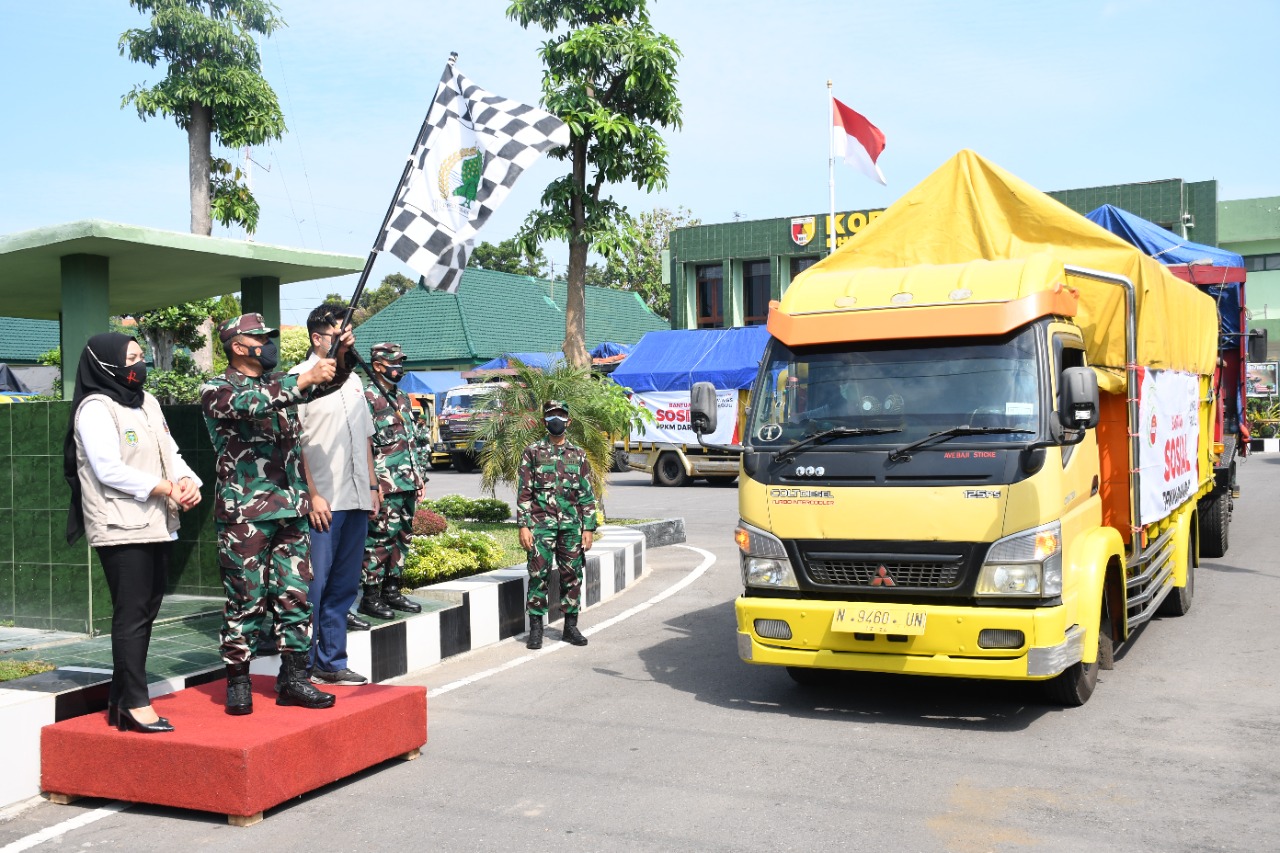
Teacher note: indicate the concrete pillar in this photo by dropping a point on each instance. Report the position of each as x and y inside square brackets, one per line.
[85, 312]
[261, 294]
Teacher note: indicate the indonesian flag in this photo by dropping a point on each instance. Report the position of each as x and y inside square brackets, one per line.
[857, 140]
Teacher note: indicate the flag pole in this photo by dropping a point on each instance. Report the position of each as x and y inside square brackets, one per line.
[831, 168]
[382, 229]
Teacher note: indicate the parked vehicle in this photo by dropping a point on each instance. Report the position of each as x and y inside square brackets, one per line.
[659, 372]
[974, 448]
[464, 407]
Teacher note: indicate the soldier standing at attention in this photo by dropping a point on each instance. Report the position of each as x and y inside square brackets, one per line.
[261, 505]
[397, 466]
[556, 511]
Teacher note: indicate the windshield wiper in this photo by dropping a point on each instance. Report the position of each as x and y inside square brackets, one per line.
[903, 453]
[835, 432]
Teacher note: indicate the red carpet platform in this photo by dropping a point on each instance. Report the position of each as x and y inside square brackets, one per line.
[237, 766]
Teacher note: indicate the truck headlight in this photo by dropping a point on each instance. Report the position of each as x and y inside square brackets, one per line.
[1024, 564]
[764, 559]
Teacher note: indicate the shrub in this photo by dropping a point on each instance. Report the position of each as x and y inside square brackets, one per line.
[428, 523]
[490, 510]
[455, 507]
[450, 554]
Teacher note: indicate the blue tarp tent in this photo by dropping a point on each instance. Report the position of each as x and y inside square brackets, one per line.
[431, 382]
[1165, 246]
[609, 349]
[541, 360]
[674, 360]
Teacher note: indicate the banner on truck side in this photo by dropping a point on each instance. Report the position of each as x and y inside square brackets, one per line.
[670, 410]
[1169, 440]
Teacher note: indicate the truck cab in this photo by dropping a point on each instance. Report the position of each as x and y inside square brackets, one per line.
[464, 408]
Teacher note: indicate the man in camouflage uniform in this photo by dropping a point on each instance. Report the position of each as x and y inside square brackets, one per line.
[396, 464]
[261, 505]
[556, 511]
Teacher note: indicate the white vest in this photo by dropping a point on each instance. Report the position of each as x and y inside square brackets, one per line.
[112, 517]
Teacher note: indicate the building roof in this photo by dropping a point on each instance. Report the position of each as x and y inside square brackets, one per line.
[23, 341]
[495, 313]
[148, 268]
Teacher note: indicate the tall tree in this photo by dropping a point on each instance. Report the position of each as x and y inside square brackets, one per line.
[509, 256]
[393, 286]
[612, 78]
[213, 87]
[638, 267]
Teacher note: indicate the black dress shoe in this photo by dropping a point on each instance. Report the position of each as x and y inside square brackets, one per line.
[127, 723]
[355, 623]
[113, 714]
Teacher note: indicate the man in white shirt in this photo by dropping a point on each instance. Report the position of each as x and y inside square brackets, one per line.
[337, 458]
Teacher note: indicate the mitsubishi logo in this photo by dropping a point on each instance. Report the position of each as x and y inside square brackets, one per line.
[882, 578]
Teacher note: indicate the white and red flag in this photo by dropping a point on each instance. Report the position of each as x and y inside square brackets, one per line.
[857, 140]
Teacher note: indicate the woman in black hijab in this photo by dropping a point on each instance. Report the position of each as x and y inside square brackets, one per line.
[128, 484]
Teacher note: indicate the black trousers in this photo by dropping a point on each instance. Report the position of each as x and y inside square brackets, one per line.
[136, 576]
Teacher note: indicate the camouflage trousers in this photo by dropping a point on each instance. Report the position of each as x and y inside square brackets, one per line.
[564, 548]
[387, 544]
[266, 565]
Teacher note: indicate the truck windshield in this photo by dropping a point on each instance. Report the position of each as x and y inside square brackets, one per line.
[465, 401]
[988, 384]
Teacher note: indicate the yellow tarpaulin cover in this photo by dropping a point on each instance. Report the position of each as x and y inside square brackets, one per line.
[971, 209]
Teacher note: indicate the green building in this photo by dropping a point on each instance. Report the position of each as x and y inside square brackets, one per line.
[494, 313]
[725, 274]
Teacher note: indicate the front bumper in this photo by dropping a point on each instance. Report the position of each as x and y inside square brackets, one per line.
[948, 647]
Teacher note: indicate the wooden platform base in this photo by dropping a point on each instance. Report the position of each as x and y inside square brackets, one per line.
[237, 766]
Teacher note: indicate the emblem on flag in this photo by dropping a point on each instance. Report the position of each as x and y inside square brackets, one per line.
[472, 148]
[802, 229]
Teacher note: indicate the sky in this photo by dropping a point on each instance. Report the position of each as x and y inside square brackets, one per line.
[1062, 94]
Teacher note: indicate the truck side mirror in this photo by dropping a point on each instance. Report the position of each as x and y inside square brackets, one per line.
[1257, 345]
[702, 408]
[1079, 399]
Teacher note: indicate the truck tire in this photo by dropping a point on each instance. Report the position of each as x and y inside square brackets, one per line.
[620, 465]
[1215, 521]
[1178, 601]
[668, 471]
[1073, 686]
[462, 462]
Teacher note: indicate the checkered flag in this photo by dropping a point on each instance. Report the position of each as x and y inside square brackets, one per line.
[472, 148]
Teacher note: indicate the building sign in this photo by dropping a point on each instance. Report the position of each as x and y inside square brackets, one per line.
[803, 229]
[848, 224]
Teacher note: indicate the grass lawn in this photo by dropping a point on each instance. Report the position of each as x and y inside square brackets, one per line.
[11, 669]
[508, 536]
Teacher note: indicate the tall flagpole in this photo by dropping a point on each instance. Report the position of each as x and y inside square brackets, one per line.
[831, 167]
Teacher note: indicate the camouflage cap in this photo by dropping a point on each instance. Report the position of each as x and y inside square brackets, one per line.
[554, 406]
[387, 352]
[246, 324]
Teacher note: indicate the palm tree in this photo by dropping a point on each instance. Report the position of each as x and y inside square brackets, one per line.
[598, 409]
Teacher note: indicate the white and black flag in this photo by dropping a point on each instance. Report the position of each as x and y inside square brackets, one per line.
[472, 148]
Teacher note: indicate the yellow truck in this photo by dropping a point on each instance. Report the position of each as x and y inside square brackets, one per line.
[976, 444]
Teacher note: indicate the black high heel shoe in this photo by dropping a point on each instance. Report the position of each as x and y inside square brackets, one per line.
[126, 722]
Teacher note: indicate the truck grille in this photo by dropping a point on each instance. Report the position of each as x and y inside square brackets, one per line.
[846, 571]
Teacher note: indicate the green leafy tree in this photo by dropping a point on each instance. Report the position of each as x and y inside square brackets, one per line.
[393, 286]
[295, 346]
[164, 329]
[179, 384]
[599, 411]
[509, 256]
[213, 87]
[224, 308]
[612, 78]
[638, 267]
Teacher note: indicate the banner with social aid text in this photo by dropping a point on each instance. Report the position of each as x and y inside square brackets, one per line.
[670, 410]
[1169, 440]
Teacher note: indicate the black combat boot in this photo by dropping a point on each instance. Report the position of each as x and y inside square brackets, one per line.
[535, 633]
[239, 690]
[571, 634]
[294, 688]
[371, 603]
[392, 598]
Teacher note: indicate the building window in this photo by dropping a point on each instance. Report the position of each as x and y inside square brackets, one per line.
[1261, 263]
[799, 265]
[709, 278]
[755, 292]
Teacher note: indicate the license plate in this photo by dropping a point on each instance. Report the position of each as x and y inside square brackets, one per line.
[879, 619]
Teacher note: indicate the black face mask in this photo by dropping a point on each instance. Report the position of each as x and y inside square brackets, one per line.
[266, 354]
[394, 375]
[557, 425]
[131, 376]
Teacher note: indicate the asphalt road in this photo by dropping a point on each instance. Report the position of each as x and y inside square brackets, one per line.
[656, 737]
